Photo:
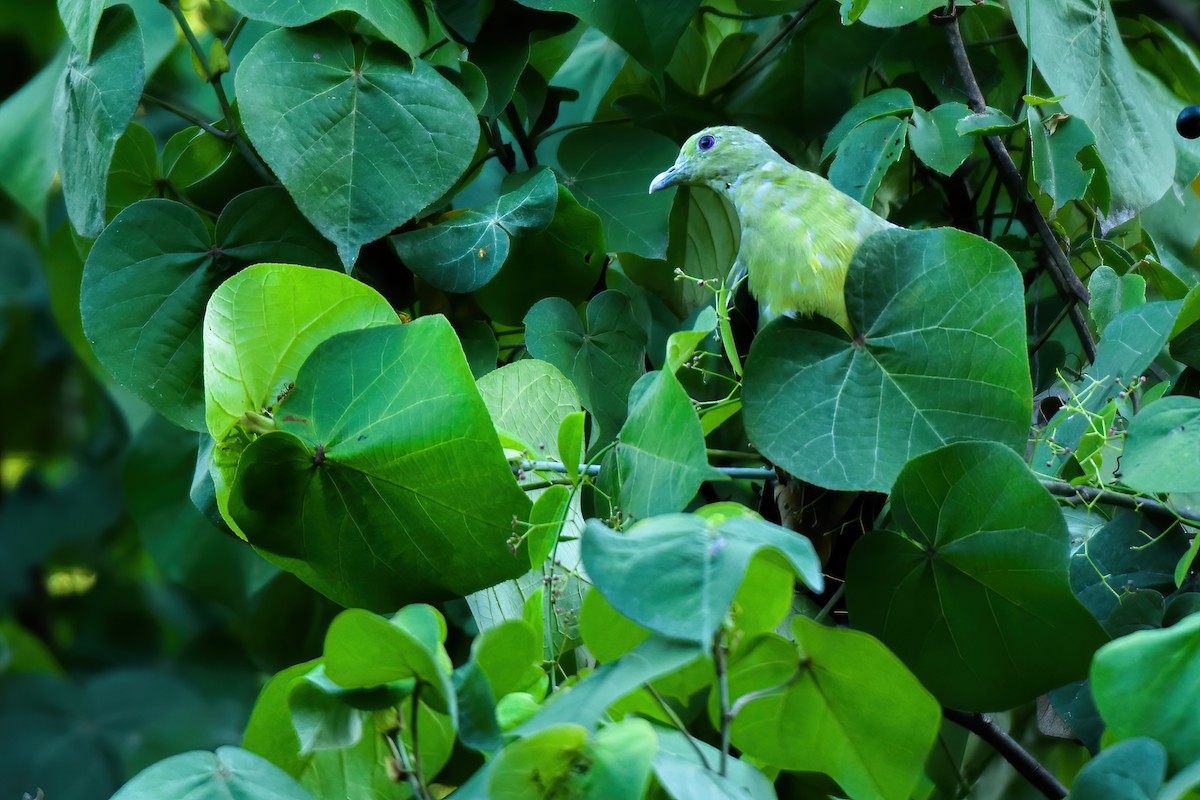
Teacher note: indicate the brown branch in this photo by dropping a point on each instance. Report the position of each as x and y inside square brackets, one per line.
[1026, 765]
[1068, 283]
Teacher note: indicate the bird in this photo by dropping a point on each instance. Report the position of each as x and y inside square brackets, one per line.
[799, 231]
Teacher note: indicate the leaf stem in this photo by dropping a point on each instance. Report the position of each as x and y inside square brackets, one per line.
[187, 116]
[1025, 764]
[741, 72]
[231, 122]
[833, 600]
[1068, 283]
[521, 135]
[678, 723]
[232, 38]
[718, 650]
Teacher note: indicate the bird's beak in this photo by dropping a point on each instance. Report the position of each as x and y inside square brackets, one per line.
[665, 180]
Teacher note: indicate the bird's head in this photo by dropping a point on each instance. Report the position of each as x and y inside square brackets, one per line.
[715, 157]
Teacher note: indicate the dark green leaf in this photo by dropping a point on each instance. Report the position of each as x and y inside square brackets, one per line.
[344, 131]
[865, 155]
[80, 18]
[608, 170]
[1056, 167]
[991, 122]
[1113, 293]
[403, 22]
[149, 276]
[96, 101]
[885, 103]
[888, 13]
[683, 776]
[384, 435]
[192, 155]
[603, 361]
[935, 139]
[647, 31]
[28, 147]
[466, 251]
[708, 560]
[972, 593]
[134, 173]
[942, 358]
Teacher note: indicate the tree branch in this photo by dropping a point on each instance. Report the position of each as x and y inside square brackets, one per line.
[1088, 494]
[1068, 283]
[1026, 765]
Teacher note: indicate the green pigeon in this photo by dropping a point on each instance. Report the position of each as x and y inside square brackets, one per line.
[799, 232]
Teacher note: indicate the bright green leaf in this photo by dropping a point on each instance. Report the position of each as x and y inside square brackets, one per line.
[547, 516]
[262, 323]
[345, 130]
[361, 491]
[991, 122]
[942, 359]
[1113, 293]
[887, 13]
[825, 718]
[972, 593]
[528, 399]
[571, 443]
[1147, 683]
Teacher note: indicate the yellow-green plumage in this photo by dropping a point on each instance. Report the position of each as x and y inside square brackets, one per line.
[798, 231]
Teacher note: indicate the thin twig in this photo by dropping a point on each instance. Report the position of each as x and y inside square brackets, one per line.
[678, 723]
[1026, 765]
[825, 611]
[733, 473]
[1068, 283]
[416, 742]
[187, 116]
[232, 38]
[1108, 497]
[521, 135]
[231, 122]
[723, 695]
[741, 72]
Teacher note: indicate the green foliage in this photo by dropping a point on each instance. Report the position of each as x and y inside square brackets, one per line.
[363, 409]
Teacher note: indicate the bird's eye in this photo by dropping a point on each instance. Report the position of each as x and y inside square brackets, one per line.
[706, 142]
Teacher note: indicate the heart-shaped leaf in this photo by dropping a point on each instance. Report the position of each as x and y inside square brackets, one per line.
[260, 326]
[941, 357]
[360, 492]
[824, 718]
[1162, 447]
[604, 361]
[973, 592]
[363, 139]
[150, 274]
[466, 251]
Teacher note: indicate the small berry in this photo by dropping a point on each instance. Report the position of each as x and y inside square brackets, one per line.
[1188, 122]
